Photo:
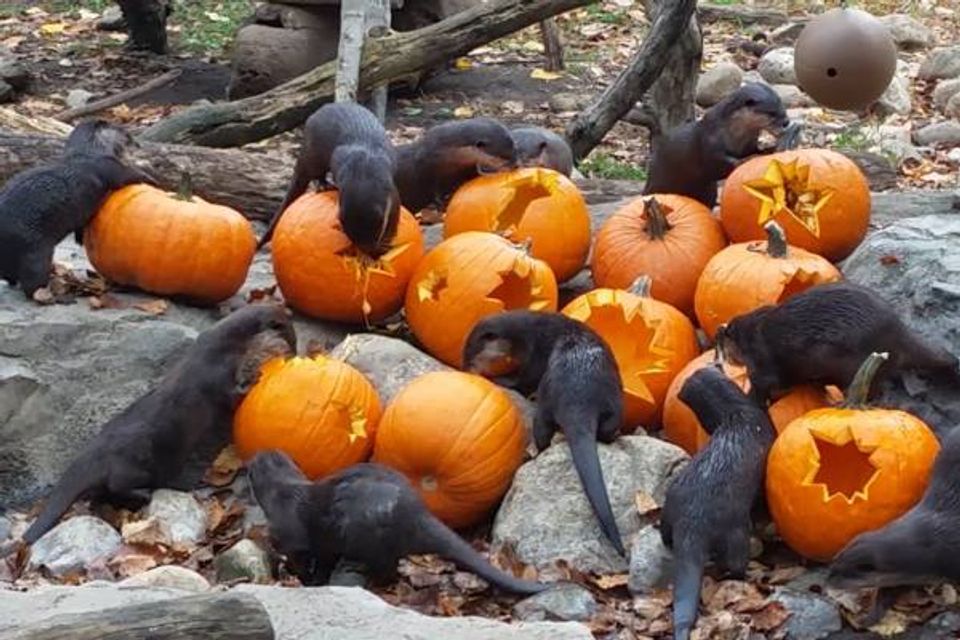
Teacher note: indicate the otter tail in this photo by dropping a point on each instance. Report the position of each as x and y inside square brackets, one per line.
[297, 186]
[689, 560]
[440, 539]
[926, 357]
[77, 480]
[583, 449]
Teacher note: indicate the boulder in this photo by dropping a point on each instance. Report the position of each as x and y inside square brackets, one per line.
[244, 561]
[651, 563]
[943, 62]
[717, 82]
[564, 602]
[953, 107]
[14, 73]
[7, 93]
[907, 32]
[944, 91]
[945, 133]
[180, 516]
[169, 576]
[792, 96]
[776, 66]
[896, 97]
[812, 616]
[545, 515]
[74, 544]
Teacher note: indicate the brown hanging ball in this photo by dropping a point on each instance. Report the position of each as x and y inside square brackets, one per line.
[845, 59]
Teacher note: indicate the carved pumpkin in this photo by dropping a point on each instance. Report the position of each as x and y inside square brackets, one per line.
[468, 277]
[667, 237]
[651, 342]
[537, 205]
[323, 275]
[680, 424]
[458, 438]
[749, 275]
[835, 473]
[170, 244]
[320, 411]
[819, 197]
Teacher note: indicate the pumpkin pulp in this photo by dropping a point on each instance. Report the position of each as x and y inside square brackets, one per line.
[786, 187]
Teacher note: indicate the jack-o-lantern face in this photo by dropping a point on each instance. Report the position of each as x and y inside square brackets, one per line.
[819, 197]
[467, 277]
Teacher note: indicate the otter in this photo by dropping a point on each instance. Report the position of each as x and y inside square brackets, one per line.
[367, 516]
[538, 147]
[42, 206]
[578, 386]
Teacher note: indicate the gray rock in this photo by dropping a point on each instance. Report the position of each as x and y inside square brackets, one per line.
[78, 97]
[180, 515]
[244, 561]
[112, 20]
[907, 32]
[169, 576]
[792, 96]
[7, 93]
[938, 133]
[265, 56]
[651, 563]
[776, 66]
[545, 516]
[6, 528]
[717, 82]
[568, 101]
[73, 544]
[14, 73]
[896, 97]
[787, 34]
[943, 62]
[945, 90]
[953, 107]
[811, 616]
[563, 603]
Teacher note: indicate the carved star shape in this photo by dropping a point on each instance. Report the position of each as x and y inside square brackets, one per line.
[843, 467]
[358, 423]
[518, 197]
[785, 186]
[431, 286]
[516, 291]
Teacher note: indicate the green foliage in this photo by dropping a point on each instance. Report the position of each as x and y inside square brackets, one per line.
[607, 16]
[601, 165]
[209, 27]
[852, 138]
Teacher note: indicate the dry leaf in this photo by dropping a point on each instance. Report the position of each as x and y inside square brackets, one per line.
[106, 301]
[149, 532]
[892, 623]
[463, 112]
[224, 469]
[543, 74]
[612, 581]
[771, 616]
[783, 575]
[132, 564]
[888, 260]
[154, 307]
[267, 293]
[53, 28]
[645, 503]
[463, 64]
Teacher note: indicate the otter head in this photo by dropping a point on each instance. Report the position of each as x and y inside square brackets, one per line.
[907, 551]
[370, 214]
[748, 111]
[99, 138]
[712, 396]
[279, 486]
[493, 348]
[269, 471]
[481, 144]
[727, 341]
[538, 147]
[238, 330]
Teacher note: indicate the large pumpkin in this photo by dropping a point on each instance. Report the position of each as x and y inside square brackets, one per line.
[170, 244]
[458, 438]
[819, 197]
[651, 341]
[467, 277]
[749, 275]
[680, 424]
[320, 411]
[537, 205]
[322, 274]
[836, 473]
[667, 237]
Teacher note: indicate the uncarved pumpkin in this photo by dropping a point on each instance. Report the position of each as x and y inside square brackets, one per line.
[538, 205]
[322, 274]
[819, 197]
[836, 473]
[749, 275]
[680, 424]
[468, 277]
[671, 241]
[651, 342]
[320, 411]
[458, 438]
[170, 245]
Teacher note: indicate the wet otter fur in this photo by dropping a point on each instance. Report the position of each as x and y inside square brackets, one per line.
[691, 159]
[346, 147]
[579, 389]
[538, 147]
[448, 155]
[822, 336]
[42, 206]
[148, 444]
[706, 514]
[366, 515]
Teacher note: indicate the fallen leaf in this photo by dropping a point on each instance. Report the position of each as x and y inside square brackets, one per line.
[154, 307]
[888, 260]
[132, 564]
[783, 575]
[543, 74]
[645, 503]
[771, 616]
[463, 112]
[149, 532]
[266, 293]
[512, 106]
[892, 623]
[224, 469]
[462, 64]
[53, 28]
[535, 46]
[612, 581]
[106, 301]
[12, 42]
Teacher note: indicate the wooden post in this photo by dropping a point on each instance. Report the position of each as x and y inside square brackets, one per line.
[552, 44]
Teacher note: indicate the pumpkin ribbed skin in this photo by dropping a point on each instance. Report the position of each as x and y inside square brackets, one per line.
[320, 411]
[147, 238]
[458, 438]
[322, 275]
[535, 204]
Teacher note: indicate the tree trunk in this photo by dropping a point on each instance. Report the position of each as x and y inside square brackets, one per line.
[285, 107]
[589, 127]
[147, 23]
[671, 98]
[552, 44]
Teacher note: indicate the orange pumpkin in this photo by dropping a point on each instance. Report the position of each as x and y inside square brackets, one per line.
[323, 275]
[668, 237]
[170, 245]
[320, 411]
[533, 204]
[836, 473]
[458, 438]
[680, 424]
[749, 275]
[651, 341]
[467, 277]
[819, 197]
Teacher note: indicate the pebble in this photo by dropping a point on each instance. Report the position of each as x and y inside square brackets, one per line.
[943, 62]
[74, 544]
[776, 66]
[907, 32]
[78, 97]
[811, 616]
[179, 514]
[568, 602]
[651, 563]
[717, 82]
[244, 561]
[945, 90]
[938, 133]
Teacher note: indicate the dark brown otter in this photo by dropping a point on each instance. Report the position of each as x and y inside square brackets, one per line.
[538, 147]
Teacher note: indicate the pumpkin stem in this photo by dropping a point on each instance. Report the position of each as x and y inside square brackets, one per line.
[525, 246]
[776, 240]
[641, 286]
[185, 187]
[859, 389]
[657, 225]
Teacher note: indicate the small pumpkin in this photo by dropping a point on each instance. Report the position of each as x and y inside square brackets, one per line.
[651, 342]
[467, 277]
[322, 274]
[819, 197]
[836, 473]
[320, 411]
[170, 244]
[680, 424]
[458, 438]
[749, 275]
[535, 205]
[667, 237]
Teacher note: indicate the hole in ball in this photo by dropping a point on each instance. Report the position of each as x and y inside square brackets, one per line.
[832, 72]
